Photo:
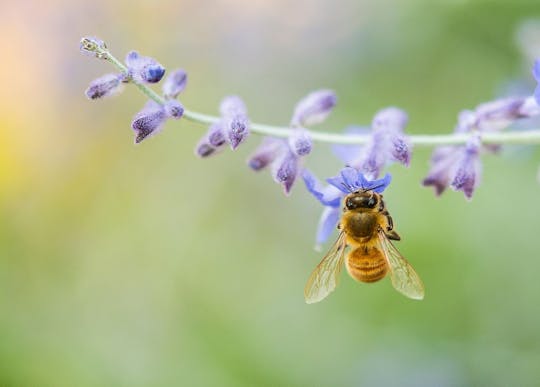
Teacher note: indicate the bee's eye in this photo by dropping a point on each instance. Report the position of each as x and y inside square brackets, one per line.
[371, 202]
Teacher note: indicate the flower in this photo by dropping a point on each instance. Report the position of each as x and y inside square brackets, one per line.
[235, 120]
[314, 108]
[387, 144]
[348, 180]
[231, 128]
[105, 86]
[284, 156]
[144, 69]
[174, 84]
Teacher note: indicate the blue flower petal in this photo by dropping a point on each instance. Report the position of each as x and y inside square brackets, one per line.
[536, 70]
[327, 224]
[378, 185]
[328, 196]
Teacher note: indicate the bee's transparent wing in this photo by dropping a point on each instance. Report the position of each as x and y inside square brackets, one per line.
[325, 277]
[404, 278]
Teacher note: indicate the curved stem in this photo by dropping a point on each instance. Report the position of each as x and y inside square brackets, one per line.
[516, 137]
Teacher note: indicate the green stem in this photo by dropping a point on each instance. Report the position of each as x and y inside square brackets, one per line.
[497, 138]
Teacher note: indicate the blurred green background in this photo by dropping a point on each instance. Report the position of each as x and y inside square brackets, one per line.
[125, 265]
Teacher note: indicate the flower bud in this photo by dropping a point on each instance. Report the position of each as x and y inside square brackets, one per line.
[266, 153]
[235, 120]
[148, 121]
[144, 69]
[314, 108]
[285, 170]
[300, 142]
[105, 86]
[173, 108]
[175, 83]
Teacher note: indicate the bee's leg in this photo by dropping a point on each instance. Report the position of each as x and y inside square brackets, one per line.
[392, 234]
[389, 230]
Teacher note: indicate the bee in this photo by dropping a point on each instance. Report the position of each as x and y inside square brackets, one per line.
[368, 229]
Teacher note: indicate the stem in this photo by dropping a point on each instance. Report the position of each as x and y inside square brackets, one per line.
[516, 138]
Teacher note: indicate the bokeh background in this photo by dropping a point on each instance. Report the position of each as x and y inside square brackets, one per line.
[125, 265]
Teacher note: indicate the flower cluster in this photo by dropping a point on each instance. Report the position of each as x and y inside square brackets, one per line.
[284, 156]
[140, 70]
[459, 166]
[151, 118]
[231, 128]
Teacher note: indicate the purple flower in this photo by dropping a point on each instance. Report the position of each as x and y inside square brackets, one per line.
[212, 142]
[235, 120]
[144, 69]
[468, 169]
[331, 196]
[105, 86]
[300, 142]
[173, 109]
[149, 121]
[314, 108]
[285, 170]
[266, 153]
[174, 84]
[387, 144]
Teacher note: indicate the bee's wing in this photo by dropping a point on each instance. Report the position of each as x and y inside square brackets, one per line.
[404, 278]
[325, 277]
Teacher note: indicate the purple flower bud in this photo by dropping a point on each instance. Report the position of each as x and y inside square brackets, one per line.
[401, 150]
[144, 69]
[148, 121]
[499, 114]
[173, 109]
[236, 122]
[390, 119]
[468, 169]
[266, 153]
[314, 108]
[300, 142]
[442, 170]
[93, 46]
[536, 75]
[204, 149]
[105, 86]
[215, 135]
[175, 83]
[285, 170]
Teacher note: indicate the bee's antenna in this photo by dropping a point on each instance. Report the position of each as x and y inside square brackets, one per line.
[347, 187]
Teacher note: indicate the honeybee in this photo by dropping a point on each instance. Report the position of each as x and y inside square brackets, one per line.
[367, 228]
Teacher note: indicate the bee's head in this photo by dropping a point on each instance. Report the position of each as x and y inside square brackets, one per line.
[361, 200]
